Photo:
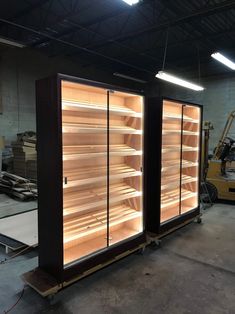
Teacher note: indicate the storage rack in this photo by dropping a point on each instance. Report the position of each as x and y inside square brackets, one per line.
[175, 163]
[97, 134]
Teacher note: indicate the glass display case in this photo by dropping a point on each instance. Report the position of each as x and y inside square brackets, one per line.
[178, 157]
[91, 137]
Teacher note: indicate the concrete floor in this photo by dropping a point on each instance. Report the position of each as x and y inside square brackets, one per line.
[193, 272]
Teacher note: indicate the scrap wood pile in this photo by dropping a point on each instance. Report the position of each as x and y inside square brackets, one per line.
[17, 187]
[25, 155]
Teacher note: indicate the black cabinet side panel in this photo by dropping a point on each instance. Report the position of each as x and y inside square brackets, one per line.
[153, 163]
[50, 199]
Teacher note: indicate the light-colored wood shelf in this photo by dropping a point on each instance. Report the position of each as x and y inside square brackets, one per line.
[168, 116]
[185, 132]
[173, 181]
[71, 106]
[95, 244]
[89, 223]
[169, 213]
[176, 148]
[169, 164]
[172, 197]
[185, 208]
[91, 151]
[90, 175]
[85, 200]
[86, 128]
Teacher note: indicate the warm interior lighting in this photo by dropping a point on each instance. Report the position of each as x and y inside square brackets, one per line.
[9, 42]
[175, 80]
[219, 57]
[131, 2]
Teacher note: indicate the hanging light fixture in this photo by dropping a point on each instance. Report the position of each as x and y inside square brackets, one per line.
[10, 42]
[174, 79]
[178, 81]
[219, 57]
[131, 2]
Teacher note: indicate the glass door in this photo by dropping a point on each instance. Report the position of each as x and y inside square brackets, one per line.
[171, 156]
[85, 191]
[125, 139]
[190, 158]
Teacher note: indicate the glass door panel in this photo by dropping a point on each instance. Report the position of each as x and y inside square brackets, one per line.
[84, 121]
[190, 158]
[171, 155]
[125, 166]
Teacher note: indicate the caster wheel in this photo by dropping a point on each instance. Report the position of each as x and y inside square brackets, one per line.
[199, 220]
[141, 251]
[51, 299]
[156, 244]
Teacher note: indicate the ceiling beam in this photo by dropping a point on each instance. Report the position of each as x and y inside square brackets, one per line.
[74, 26]
[29, 9]
[209, 10]
[74, 45]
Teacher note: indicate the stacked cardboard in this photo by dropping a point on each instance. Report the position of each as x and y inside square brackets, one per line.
[25, 155]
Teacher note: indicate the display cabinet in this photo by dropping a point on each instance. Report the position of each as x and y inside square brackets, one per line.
[174, 143]
[90, 173]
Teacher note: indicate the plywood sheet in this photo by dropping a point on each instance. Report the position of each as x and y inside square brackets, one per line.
[22, 227]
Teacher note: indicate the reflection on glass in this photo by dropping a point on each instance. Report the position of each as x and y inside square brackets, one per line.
[102, 168]
[180, 156]
[125, 201]
[191, 137]
[84, 118]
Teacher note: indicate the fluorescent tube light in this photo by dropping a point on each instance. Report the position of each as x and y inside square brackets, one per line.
[219, 57]
[131, 2]
[129, 77]
[178, 81]
[9, 42]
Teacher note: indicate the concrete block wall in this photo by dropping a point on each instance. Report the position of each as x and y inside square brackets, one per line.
[218, 100]
[19, 69]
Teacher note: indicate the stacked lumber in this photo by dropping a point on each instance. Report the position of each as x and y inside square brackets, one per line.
[25, 155]
[17, 187]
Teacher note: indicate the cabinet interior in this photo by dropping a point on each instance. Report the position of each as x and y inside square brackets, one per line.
[102, 168]
[180, 159]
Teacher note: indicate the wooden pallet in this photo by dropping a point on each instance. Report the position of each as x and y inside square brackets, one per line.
[151, 237]
[10, 244]
[47, 286]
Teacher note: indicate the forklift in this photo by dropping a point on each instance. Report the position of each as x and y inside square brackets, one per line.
[219, 171]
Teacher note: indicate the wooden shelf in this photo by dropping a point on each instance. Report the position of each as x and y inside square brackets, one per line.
[89, 175]
[175, 116]
[97, 243]
[173, 197]
[169, 213]
[173, 181]
[86, 128]
[169, 164]
[185, 132]
[175, 148]
[71, 106]
[91, 151]
[79, 201]
[89, 223]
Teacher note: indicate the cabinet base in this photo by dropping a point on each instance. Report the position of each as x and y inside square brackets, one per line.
[152, 237]
[46, 285]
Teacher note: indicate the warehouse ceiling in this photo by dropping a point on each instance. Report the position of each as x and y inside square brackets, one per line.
[132, 40]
